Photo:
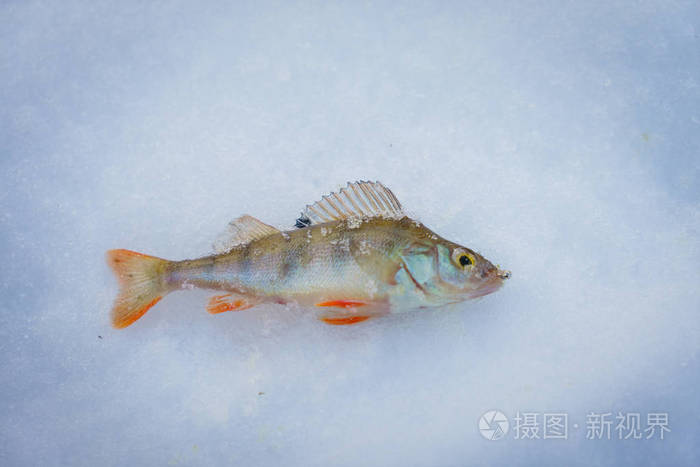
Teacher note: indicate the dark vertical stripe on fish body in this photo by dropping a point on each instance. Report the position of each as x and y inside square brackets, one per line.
[304, 253]
[288, 264]
[244, 263]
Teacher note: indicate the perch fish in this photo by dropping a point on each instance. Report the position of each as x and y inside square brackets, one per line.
[353, 255]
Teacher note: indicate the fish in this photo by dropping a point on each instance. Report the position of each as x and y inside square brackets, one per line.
[353, 255]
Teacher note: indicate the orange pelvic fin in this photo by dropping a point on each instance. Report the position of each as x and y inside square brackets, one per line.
[229, 302]
[343, 303]
[346, 320]
[347, 317]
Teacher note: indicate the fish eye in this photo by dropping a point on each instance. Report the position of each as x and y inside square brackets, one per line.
[463, 259]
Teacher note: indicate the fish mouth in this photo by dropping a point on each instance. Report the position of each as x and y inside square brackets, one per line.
[492, 284]
[502, 274]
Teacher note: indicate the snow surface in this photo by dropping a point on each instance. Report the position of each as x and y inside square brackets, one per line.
[559, 139]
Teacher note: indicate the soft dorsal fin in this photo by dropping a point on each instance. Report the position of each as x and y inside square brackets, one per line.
[240, 231]
[356, 200]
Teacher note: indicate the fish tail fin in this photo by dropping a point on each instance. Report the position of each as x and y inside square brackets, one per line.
[140, 278]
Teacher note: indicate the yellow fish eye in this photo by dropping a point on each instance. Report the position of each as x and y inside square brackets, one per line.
[463, 259]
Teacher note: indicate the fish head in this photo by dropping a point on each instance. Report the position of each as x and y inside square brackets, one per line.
[446, 272]
[466, 274]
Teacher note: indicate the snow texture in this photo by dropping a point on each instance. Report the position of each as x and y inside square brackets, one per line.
[559, 139]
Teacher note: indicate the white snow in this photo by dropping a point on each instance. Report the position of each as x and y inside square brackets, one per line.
[560, 140]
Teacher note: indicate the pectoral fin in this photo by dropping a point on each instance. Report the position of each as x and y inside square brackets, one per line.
[375, 262]
[230, 302]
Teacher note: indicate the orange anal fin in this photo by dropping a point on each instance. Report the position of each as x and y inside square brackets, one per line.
[342, 303]
[228, 302]
[346, 320]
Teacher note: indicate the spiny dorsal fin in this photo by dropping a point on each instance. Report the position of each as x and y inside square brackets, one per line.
[356, 200]
[240, 231]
